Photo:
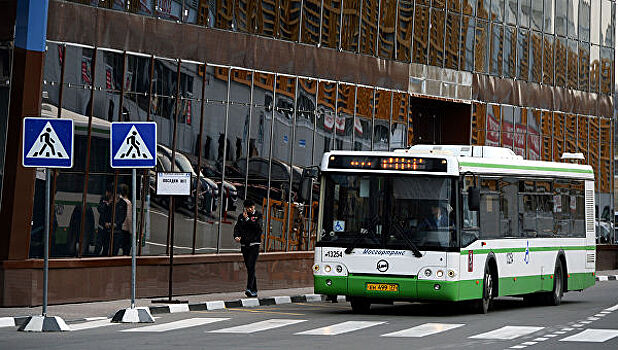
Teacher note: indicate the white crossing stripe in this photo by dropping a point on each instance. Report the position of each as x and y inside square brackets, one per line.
[591, 318]
[540, 339]
[585, 322]
[613, 308]
[518, 347]
[528, 343]
[550, 335]
[601, 315]
[91, 324]
[190, 322]
[507, 332]
[340, 328]
[593, 336]
[424, 330]
[568, 329]
[605, 312]
[259, 326]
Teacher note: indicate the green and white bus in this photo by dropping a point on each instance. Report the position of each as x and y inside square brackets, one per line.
[453, 223]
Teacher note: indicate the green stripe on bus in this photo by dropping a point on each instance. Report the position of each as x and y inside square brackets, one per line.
[532, 249]
[525, 167]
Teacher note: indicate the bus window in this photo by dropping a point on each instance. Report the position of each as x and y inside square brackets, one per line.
[490, 209]
[469, 218]
[509, 218]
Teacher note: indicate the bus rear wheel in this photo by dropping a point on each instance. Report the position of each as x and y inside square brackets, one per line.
[360, 306]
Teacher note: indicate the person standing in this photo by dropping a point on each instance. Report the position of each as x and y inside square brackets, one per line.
[105, 223]
[122, 221]
[248, 232]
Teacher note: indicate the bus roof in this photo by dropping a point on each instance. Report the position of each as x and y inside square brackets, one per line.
[467, 159]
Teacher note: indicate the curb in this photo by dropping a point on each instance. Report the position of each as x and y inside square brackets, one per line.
[606, 278]
[238, 303]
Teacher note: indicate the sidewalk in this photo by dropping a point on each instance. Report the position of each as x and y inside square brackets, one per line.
[70, 312]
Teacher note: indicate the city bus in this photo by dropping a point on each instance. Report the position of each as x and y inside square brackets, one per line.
[453, 223]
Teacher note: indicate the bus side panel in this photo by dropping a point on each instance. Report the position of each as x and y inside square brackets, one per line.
[472, 267]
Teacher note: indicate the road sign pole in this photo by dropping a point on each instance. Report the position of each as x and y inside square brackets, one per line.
[133, 145]
[133, 235]
[46, 240]
[47, 143]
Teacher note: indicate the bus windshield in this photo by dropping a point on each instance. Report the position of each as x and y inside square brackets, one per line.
[386, 211]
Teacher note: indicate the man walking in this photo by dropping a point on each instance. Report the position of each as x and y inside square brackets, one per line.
[248, 232]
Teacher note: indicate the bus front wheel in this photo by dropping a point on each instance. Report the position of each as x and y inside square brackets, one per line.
[482, 306]
[554, 297]
[360, 306]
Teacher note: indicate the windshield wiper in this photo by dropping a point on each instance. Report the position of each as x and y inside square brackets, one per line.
[355, 242]
[399, 229]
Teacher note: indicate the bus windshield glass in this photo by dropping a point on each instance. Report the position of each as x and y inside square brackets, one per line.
[387, 211]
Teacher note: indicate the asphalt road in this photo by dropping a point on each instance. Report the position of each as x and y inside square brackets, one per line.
[587, 320]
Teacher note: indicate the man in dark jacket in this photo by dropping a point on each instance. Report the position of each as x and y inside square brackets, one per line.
[248, 232]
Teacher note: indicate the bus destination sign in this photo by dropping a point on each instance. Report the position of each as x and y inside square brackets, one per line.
[387, 163]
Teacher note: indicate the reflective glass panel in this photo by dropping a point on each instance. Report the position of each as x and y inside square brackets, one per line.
[331, 16]
[536, 17]
[573, 64]
[388, 17]
[561, 17]
[558, 135]
[536, 56]
[405, 15]
[523, 54]
[595, 68]
[510, 50]
[607, 70]
[289, 18]
[584, 20]
[548, 60]
[595, 22]
[349, 31]
[572, 18]
[524, 13]
[344, 119]
[363, 124]
[497, 10]
[381, 126]
[560, 46]
[549, 16]
[311, 21]
[468, 45]
[369, 26]
[421, 34]
[608, 11]
[481, 46]
[436, 45]
[325, 122]
[453, 24]
[511, 12]
[497, 48]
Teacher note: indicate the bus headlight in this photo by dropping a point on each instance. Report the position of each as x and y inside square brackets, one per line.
[440, 273]
[451, 273]
[427, 272]
[327, 268]
[316, 268]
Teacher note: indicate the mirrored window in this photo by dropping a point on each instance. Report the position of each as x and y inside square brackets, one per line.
[452, 36]
[421, 34]
[561, 52]
[549, 16]
[497, 48]
[510, 52]
[481, 46]
[497, 10]
[363, 122]
[369, 26]
[350, 21]
[388, 17]
[548, 60]
[536, 56]
[331, 17]
[573, 64]
[436, 45]
[344, 120]
[572, 18]
[536, 16]
[561, 17]
[405, 16]
[289, 19]
[311, 21]
[523, 54]
[468, 45]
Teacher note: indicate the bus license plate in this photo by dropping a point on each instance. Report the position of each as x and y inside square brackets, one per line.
[382, 287]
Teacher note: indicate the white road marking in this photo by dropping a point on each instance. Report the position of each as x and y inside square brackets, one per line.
[91, 324]
[518, 347]
[605, 312]
[340, 328]
[507, 332]
[593, 336]
[528, 343]
[258, 326]
[95, 318]
[560, 332]
[550, 335]
[613, 308]
[601, 315]
[567, 329]
[578, 325]
[424, 330]
[540, 339]
[190, 322]
[592, 318]
[585, 322]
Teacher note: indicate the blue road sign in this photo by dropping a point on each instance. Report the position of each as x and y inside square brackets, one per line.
[47, 143]
[133, 145]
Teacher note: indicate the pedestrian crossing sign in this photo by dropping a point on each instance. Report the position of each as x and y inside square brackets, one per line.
[133, 145]
[47, 143]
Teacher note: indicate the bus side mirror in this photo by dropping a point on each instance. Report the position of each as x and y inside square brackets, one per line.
[474, 199]
[305, 188]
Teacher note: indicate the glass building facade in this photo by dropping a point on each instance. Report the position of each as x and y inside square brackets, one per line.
[248, 133]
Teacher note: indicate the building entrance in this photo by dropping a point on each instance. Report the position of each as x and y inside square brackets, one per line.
[440, 122]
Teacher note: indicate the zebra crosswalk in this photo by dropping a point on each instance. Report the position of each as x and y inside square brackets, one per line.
[212, 326]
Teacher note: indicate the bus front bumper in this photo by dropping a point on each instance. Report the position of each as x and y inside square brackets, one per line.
[407, 288]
